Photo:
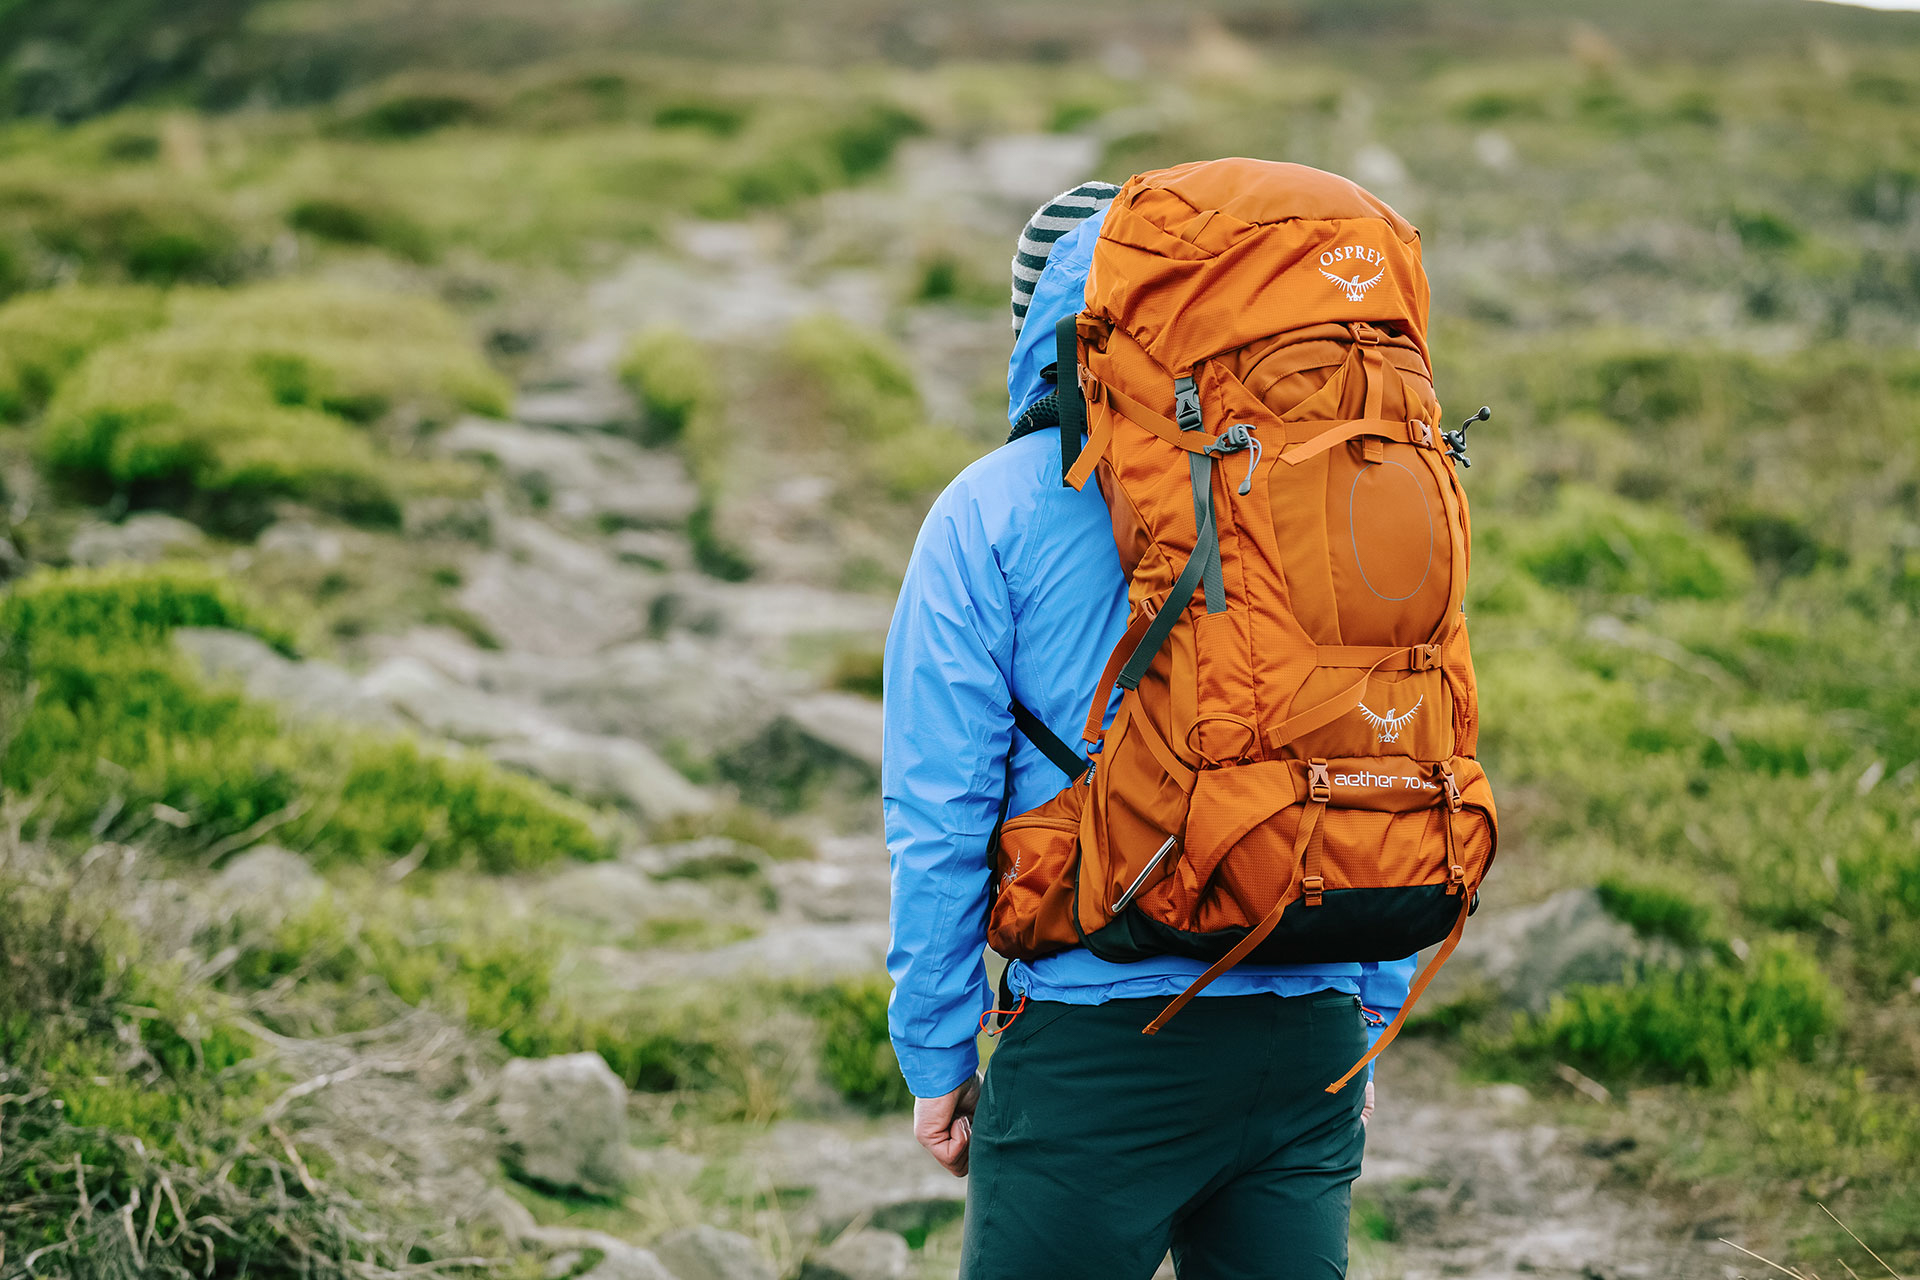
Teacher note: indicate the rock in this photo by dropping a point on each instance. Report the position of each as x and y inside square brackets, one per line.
[816, 951]
[1520, 959]
[628, 1262]
[653, 548]
[146, 538]
[552, 597]
[566, 1121]
[668, 1165]
[708, 1253]
[598, 767]
[834, 892]
[860, 1255]
[437, 704]
[268, 883]
[624, 897]
[299, 540]
[309, 690]
[581, 476]
[885, 1177]
[587, 408]
[703, 859]
[845, 722]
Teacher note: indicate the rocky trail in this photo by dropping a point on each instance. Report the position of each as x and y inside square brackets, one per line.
[616, 657]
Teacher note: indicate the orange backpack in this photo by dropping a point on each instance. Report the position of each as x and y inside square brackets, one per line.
[1289, 776]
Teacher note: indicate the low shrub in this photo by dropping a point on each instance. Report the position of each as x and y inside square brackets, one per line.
[257, 396]
[152, 240]
[672, 378]
[1661, 907]
[861, 379]
[369, 223]
[44, 335]
[855, 1052]
[412, 114]
[1597, 542]
[1702, 1024]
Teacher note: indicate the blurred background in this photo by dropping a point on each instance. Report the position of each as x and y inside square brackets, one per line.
[455, 464]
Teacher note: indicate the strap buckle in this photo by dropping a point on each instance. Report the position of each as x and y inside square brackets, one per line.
[1424, 432]
[1424, 657]
[1186, 404]
[1456, 878]
[1319, 782]
[1454, 799]
[1364, 333]
[1315, 886]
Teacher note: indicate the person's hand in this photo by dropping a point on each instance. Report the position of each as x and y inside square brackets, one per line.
[1366, 1106]
[944, 1125]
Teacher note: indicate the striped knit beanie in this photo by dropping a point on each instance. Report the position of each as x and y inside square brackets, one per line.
[1056, 217]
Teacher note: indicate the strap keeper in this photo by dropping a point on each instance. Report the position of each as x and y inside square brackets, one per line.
[1314, 886]
[1319, 782]
[1186, 404]
[1373, 449]
[1364, 333]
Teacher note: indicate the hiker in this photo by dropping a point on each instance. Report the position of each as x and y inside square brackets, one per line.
[1094, 1149]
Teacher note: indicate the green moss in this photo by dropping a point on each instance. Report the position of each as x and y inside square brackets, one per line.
[1704, 1024]
[855, 1052]
[397, 799]
[44, 335]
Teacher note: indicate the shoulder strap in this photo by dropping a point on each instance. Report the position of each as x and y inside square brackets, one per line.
[1064, 757]
[1066, 386]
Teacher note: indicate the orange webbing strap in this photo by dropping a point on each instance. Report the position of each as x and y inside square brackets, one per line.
[1419, 657]
[1098, 438]
[1309, 823]
[1413, 994]
[1097, 714]
[1156, 744]
[1155, 421]
[1339, 431]
[1318, 717]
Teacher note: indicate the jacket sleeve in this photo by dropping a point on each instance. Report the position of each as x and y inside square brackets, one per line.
[943, 766]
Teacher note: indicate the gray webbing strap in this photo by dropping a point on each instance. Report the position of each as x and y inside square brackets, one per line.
[1170, 610]
[1207, 549]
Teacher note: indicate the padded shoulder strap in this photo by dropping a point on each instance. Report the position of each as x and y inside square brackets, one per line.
[1066, 386]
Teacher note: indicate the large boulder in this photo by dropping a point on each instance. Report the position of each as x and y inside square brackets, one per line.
[860, 1255]
[565, 1121]
[884, 1178]
[581, 476]
[708, 1253]
[1521, 959]
[310, 690]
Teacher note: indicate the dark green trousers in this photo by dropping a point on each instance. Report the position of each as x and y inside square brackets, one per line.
[1096, 1149]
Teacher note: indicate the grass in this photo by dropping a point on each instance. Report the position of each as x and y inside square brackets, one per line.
[119, 736]
[262, 395]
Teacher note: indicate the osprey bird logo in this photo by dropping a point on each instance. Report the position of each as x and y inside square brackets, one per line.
[1388, 726]
[1356, 291]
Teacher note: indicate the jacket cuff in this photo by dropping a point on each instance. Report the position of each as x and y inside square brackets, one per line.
[934, 1073]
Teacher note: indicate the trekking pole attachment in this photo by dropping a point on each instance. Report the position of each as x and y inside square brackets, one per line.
[1457, 440]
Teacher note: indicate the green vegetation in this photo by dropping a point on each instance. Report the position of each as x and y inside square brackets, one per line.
[260, 395]
[119, 736]
[674, 381]
[1704, 1024]
[44, 335]
[855, 1051]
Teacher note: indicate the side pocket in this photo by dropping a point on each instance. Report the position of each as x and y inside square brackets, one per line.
[1032, 913]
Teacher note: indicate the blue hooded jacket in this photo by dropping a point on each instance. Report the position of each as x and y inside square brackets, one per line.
[1014, 590]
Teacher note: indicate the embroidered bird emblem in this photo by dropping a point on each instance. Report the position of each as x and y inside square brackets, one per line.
[1388, 726]
[1355, 288]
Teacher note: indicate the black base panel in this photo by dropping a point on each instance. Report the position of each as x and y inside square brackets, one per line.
[1349, 925]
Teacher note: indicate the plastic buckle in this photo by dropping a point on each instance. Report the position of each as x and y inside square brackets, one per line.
[1319, 782]
[1454, 800]
[1456, 879]
[1315, 886]
[1424, 432]
[1364, 333]
[1424, 657]
[1186, 404]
